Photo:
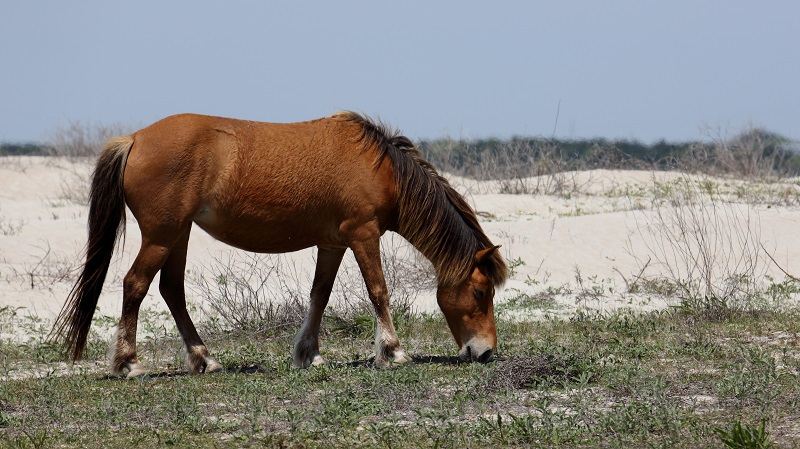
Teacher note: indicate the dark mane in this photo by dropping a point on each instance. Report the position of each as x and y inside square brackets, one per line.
[432, 216]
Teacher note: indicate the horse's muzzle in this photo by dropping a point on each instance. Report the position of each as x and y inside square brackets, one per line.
[476, 352]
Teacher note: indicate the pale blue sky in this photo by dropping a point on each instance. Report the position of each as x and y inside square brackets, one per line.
[620, 69]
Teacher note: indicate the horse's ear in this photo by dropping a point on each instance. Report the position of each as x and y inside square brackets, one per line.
[484, 254]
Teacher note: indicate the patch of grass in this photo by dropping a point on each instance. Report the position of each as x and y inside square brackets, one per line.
[622, 379]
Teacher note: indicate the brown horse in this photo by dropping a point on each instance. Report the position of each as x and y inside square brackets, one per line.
[336, 183]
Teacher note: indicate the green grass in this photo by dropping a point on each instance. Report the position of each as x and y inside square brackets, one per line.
[672, 378]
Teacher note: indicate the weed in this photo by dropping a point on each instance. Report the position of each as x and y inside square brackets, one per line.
[48, 268]
[744, 436]
[513, 264]
[710, 308]
[358, 324]
[780, 292]
[751, 378]
[11, 228]
[591, 288]
[558, 368]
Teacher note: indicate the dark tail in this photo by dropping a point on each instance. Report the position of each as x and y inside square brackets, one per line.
[106, 223]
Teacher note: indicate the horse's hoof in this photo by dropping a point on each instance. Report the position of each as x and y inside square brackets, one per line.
[213, 367]
[303, 362]
[398, 358]
[401, 358]
[136, 371]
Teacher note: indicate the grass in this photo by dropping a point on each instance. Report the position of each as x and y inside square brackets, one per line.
[671, 378]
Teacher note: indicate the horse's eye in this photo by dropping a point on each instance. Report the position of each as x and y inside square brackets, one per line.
[478, 294]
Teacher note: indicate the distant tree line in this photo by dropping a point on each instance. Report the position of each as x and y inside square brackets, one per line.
[24, 149]
[753, 153]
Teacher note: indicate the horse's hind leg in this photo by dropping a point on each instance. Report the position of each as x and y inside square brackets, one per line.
[306, 343]
[172, 289]
[122, 351]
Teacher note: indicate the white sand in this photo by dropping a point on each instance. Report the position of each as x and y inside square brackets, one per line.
[597, 226]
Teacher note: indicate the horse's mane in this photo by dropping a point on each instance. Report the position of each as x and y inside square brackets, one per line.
[432, 216]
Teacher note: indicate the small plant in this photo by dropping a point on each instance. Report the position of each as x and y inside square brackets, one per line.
[11, 228]
[358, 324]
[591, 288]
[50, 267]
[744, 436]
[711, 308]
[513, 264]
[779, 292]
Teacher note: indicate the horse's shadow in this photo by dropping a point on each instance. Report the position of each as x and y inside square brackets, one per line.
[248, 369]
[437, 360]
[259, 369]
[415, 360]
[418, 360]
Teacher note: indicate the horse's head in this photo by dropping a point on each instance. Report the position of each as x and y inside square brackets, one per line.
[469, 310]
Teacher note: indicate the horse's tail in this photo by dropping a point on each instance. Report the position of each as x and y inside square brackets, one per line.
[106, 223]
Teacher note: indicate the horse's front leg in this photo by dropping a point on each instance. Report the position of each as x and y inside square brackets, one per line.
[306, 343]
[368, 255]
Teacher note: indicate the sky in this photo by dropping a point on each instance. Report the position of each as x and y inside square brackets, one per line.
[644, 70]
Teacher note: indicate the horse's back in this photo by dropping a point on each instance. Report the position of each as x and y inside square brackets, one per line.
[261, 186]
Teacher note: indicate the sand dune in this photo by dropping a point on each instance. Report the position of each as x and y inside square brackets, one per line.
[603, 225]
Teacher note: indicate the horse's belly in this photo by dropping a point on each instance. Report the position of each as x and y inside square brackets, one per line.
[267, 234]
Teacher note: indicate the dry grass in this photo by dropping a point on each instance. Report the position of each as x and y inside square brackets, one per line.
[79, 140]
[251, 292]
[48, 267]
[707, 245]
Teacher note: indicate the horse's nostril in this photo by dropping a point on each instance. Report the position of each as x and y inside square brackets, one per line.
[470, 353]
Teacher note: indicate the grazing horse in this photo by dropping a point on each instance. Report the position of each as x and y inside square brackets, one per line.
[338, 182]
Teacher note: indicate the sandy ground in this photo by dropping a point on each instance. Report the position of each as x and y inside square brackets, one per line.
[601, 225]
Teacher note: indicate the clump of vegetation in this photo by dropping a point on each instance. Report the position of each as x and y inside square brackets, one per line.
[249, 292]
[745, 436]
